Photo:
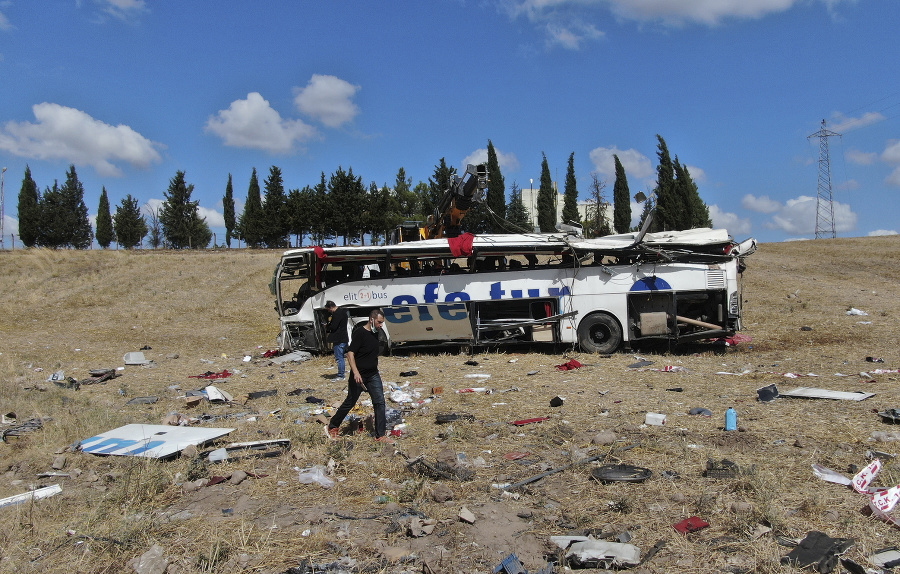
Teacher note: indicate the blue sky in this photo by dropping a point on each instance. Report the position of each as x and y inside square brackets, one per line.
[130, 91]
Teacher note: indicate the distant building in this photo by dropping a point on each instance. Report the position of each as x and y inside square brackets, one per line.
[529, 199]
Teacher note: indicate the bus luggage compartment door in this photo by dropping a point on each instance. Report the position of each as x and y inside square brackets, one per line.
[432, 322]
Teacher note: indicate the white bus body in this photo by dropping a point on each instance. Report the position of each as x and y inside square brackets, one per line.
[596, 293]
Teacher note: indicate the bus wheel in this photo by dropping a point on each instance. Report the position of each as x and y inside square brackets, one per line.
[599, 333]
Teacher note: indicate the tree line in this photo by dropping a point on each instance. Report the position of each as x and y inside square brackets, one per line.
[342, 207]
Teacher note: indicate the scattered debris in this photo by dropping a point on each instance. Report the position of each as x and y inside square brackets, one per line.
[726, 469]
[586, 552]
[475, 390]
[553, 471]
[135, 358]
[419, 527]
[557, 401]
[813, 393]
[98, 376]
[620, 473]
[152, 561]
[261, 394]
[142, 401]
[874, 360]
[409, 373]
[700, 411]
[640, 364]
[655, 419]
[524, 422]
[37, 494]
[28, 426]
[439, 469]
[890, 416]
[855, 311]
[818, 549]
[295, 357]
[570, 366]
[453, 417]
[251, 449]
[886, 557]
[767, 394]
[209, 375]
[315, 475]
[149, 441]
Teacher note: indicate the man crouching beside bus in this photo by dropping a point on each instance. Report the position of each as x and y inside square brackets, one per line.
[363, 358]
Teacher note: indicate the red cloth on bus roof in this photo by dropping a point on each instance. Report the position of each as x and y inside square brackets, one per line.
[320, 252]
[461, 246]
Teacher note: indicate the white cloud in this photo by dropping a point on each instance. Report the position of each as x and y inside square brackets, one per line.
[761, 204]
[507, 161]
[861, 157]
[845, 124]
[798, 216]
[730, 221]
[10, 227]
[881, 232]
[5, 25]
[636, 164]
[68, 134]
[253, 123]
[891, 153]
[697, 174]
[555, 16]
[213, 217]
[123, 9]
[328, 99]
[572, 35]
[894, 177]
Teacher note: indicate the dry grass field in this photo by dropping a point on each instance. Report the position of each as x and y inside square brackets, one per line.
[206, 311]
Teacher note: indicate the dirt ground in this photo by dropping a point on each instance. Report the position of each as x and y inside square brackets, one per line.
[205, 312]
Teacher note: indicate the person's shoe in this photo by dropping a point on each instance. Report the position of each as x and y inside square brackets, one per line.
[332, 433]
[385, 439]
[338, 378]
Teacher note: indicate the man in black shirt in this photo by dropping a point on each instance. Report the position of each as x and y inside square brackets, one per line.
[337, 336]
[363, 358]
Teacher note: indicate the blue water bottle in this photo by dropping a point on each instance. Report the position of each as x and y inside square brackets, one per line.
[730, 419]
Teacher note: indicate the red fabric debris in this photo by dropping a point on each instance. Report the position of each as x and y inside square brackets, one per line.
[571, 365]
[692, 524]
[211, 375]
[529, 421]
[461, 246]
[515, 455]
[271, 353]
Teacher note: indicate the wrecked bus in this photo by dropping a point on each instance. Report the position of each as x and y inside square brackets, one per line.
[478, 291]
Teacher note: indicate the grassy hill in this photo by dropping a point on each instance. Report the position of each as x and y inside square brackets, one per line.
[79, 310]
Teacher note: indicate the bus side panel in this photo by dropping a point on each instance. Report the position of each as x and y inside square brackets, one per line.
[440, 322]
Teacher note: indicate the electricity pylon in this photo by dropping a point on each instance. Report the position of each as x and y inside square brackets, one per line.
[824, 203]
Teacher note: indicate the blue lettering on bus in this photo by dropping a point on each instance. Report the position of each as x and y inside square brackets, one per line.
[650, 284]
[401, 309]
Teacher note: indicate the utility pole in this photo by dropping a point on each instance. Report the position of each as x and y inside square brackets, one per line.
[824, 203]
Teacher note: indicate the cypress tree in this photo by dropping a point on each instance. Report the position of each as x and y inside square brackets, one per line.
[546, 201]
[77, 232]
[570, 195]
[180, 219]
[597, 224]
[346, 203]
[438, 186]
[321, 229]
[408, 201]
[130, 226]
[669, 207]
[29, 210]
[621, 200]
[274, 221]
[496, 191]
[250, 224]
[228, 212]
[52, 230]
[517, 215]
[105, 233]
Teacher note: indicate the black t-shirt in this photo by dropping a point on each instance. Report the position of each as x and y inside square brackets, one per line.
[364, 346]
[337, 327]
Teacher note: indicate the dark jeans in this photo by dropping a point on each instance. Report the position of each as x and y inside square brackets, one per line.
[376, 392]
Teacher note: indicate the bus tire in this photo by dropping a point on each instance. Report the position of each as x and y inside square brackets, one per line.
[599, 333]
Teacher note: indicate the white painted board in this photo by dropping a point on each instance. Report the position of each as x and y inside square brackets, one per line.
[149, 441]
